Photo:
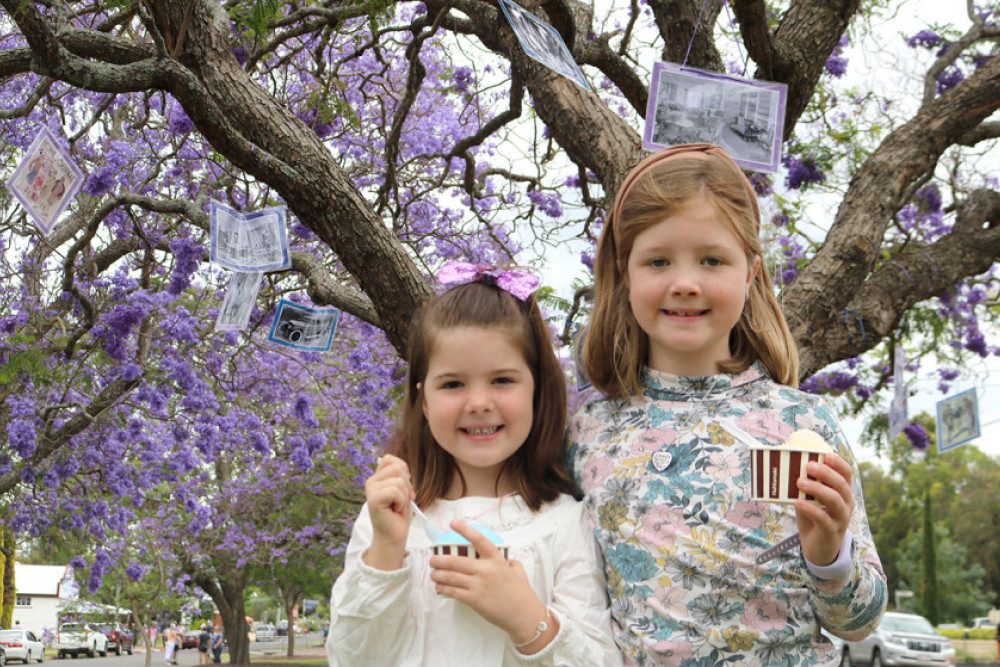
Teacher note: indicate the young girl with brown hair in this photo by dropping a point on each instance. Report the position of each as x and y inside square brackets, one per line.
[689, 344]
[481, 438]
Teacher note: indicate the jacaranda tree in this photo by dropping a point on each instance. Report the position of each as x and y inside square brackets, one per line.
[400, 135]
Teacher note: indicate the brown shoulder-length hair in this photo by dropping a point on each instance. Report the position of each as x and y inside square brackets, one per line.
[537, 469]
[615, 349]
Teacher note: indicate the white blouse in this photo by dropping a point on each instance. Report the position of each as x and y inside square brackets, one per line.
[395, 618]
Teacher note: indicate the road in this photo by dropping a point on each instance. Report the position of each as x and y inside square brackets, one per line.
[259, 652]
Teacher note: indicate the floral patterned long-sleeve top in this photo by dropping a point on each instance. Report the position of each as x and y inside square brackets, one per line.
[668, 492]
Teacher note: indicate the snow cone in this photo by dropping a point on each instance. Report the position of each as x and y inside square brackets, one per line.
[453, 544]
[774, 470]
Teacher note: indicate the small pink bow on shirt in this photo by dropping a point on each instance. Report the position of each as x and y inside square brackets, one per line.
[519, 284]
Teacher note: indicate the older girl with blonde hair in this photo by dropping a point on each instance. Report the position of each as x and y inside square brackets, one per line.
[688, 343]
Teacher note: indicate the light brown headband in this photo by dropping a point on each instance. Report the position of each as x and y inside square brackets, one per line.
[681, 152]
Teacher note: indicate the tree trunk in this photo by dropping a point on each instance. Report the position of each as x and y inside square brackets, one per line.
[931, 608]
[227, 593]
[290, 599]
[141, 630]
[9, 592]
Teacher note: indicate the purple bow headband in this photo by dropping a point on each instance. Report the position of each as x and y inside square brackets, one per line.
[519, 284]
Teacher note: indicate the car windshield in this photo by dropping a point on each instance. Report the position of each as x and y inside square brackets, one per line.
[917, 624]
[71, 627]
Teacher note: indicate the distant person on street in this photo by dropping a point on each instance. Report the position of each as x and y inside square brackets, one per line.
[204, 639]
[169, 645]
[217, 644]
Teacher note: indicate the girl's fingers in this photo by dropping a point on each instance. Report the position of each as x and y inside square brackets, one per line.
[484, 547]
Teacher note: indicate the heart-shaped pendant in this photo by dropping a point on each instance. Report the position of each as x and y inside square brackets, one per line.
[662, 460]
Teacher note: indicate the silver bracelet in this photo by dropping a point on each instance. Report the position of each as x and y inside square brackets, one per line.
[542, 627]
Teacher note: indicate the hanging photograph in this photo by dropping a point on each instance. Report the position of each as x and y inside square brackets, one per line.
[897, 409]
[253, 241]
[45, 181]
[542, 42]
[744, 116]
[239, 300]
[304, 328]
[957, 420]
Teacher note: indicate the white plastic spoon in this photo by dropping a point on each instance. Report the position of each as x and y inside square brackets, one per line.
[432, 530]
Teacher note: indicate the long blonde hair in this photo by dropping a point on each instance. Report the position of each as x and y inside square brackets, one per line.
[615, 349]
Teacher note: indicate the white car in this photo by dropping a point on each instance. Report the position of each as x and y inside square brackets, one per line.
[76, 638]
[22, 645]
[901, 639]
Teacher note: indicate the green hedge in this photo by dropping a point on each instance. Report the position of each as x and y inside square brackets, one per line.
[978, 633]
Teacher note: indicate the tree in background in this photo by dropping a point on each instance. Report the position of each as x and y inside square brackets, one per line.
[890, 517]
[7, 582]
[944, 491]
[400, 136]
[961, 595]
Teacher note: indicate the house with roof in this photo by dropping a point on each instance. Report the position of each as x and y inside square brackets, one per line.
[40, 592]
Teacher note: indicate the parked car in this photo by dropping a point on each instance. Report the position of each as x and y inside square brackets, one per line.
[119, 638]
[901, 639]
[265, 632]
[983, 622]
[76, 638]
[190, 638]
[22, 645]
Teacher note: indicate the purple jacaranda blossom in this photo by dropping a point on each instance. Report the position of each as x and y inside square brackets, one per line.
[587, 259]
[116, 327]
[303, 411]
[835, 382]
[241, 53]
[925, 38]
[949, 374]
[975, 342]
[761, 184]
[548, 203]
[929, 198]
[950, 78]
[100, 182]
[22, 436]
[836, 64]
[802, 172]
[178, 121]
[187, 256]
[917, 435]
[462, 78]
[78, 562]
[135, 571]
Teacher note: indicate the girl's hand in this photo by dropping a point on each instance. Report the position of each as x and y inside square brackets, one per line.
[499, 591]
[822, 529]
[389, 492]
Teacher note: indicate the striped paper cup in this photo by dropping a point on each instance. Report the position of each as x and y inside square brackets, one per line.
[774, 471]
[466, 550]
[453, 544]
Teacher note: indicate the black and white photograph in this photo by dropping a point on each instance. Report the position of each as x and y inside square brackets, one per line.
[898, 407]
[238, 302]
[542, 42]
[45, 181]
[744, 116]
[304, 328]
[957, 420]
[252, 241]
